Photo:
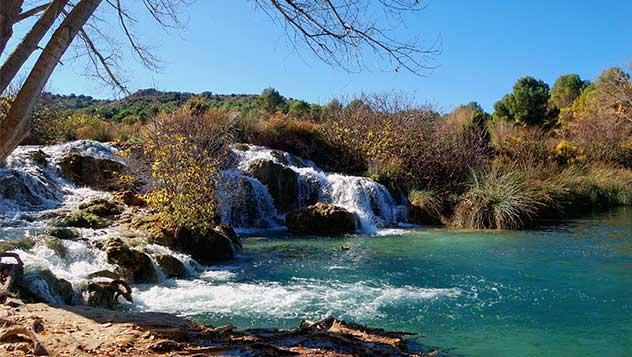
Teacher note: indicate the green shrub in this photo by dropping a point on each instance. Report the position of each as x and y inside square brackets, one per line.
[185, 152]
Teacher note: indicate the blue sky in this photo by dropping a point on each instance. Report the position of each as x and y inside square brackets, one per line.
[229, 47]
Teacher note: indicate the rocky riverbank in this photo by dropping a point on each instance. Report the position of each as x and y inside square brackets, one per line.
[40, 329]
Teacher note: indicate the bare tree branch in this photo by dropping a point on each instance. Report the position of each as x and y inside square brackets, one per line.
[34, 11]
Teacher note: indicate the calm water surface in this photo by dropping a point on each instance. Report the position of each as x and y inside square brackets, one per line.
[563, 290]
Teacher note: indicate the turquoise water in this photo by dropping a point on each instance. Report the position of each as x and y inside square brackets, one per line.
[563, 290]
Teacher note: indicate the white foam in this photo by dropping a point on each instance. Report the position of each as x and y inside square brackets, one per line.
[300, 298]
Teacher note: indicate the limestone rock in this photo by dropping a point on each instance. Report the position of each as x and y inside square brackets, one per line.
[210, 248]
[170, 266]
[282, 183]
[321, 219]
[97, 173]
[136, 266]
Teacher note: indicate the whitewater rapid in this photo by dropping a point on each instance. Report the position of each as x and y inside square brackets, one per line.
[373, 204]
[40, 193]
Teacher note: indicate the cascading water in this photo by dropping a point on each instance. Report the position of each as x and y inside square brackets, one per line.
[33, 192]
[369, 200]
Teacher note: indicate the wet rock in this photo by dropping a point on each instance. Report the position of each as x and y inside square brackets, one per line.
[170, 266]
[282, 183]
[136, 266]
[63, 233]
[40, 284]
[56, 245]
[23, 188]
[81, 219]
[321, 219]
[22, 244]
[129, 198]
[101, 208]
[39, 157]
[208, 248]
[104, 274]
[94, 214]
[105, 294]
[97, 173]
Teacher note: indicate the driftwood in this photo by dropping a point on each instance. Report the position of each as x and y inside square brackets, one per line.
[8, 274]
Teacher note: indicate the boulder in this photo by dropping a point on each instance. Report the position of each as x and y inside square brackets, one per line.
[42, 285]
[170, 266]
[105, 294]
[26, 190]
[209, 248]
[81, 219]
[281, 182]
[63, 233]
[321, 219]
[97, 173]
[136, 266]
[101, 207]
[94, 214]
[129, 198]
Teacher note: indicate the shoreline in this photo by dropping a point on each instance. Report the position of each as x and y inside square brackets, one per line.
[41, 329]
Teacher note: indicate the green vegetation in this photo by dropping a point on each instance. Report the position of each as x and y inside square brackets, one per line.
[542, 154]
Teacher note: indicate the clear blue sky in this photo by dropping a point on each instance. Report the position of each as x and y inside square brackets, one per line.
[229, 47]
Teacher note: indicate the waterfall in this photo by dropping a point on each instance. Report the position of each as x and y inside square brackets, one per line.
[369, 200]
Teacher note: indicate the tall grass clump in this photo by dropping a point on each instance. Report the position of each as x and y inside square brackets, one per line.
[506, 198]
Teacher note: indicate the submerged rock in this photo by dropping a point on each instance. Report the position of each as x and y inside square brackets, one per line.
[136, 266]
[97, 173]
[40, 284]
[281, 181]
[321, 219]
[215, 246]
[170, 266]
[63, 233]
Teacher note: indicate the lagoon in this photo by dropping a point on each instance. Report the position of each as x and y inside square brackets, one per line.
[558, 290]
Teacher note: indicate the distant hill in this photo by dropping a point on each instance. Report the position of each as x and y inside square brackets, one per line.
[141, 104]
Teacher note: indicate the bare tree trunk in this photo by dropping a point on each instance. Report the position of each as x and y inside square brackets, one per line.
[9, 13]
[29, 43]
[16, 125]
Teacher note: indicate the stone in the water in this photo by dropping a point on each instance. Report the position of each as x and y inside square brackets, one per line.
[136, 266]
[281, 181]
[97, 173]
[209, 248]
[41, 284]
[101, 207]
[105, 294]
[82, 219]
[321, 219]
[170, 266]
[63, 233]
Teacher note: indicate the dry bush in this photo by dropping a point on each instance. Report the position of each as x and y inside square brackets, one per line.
[306, 139]
[524, 146]
[408, 145]
[603, 138]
